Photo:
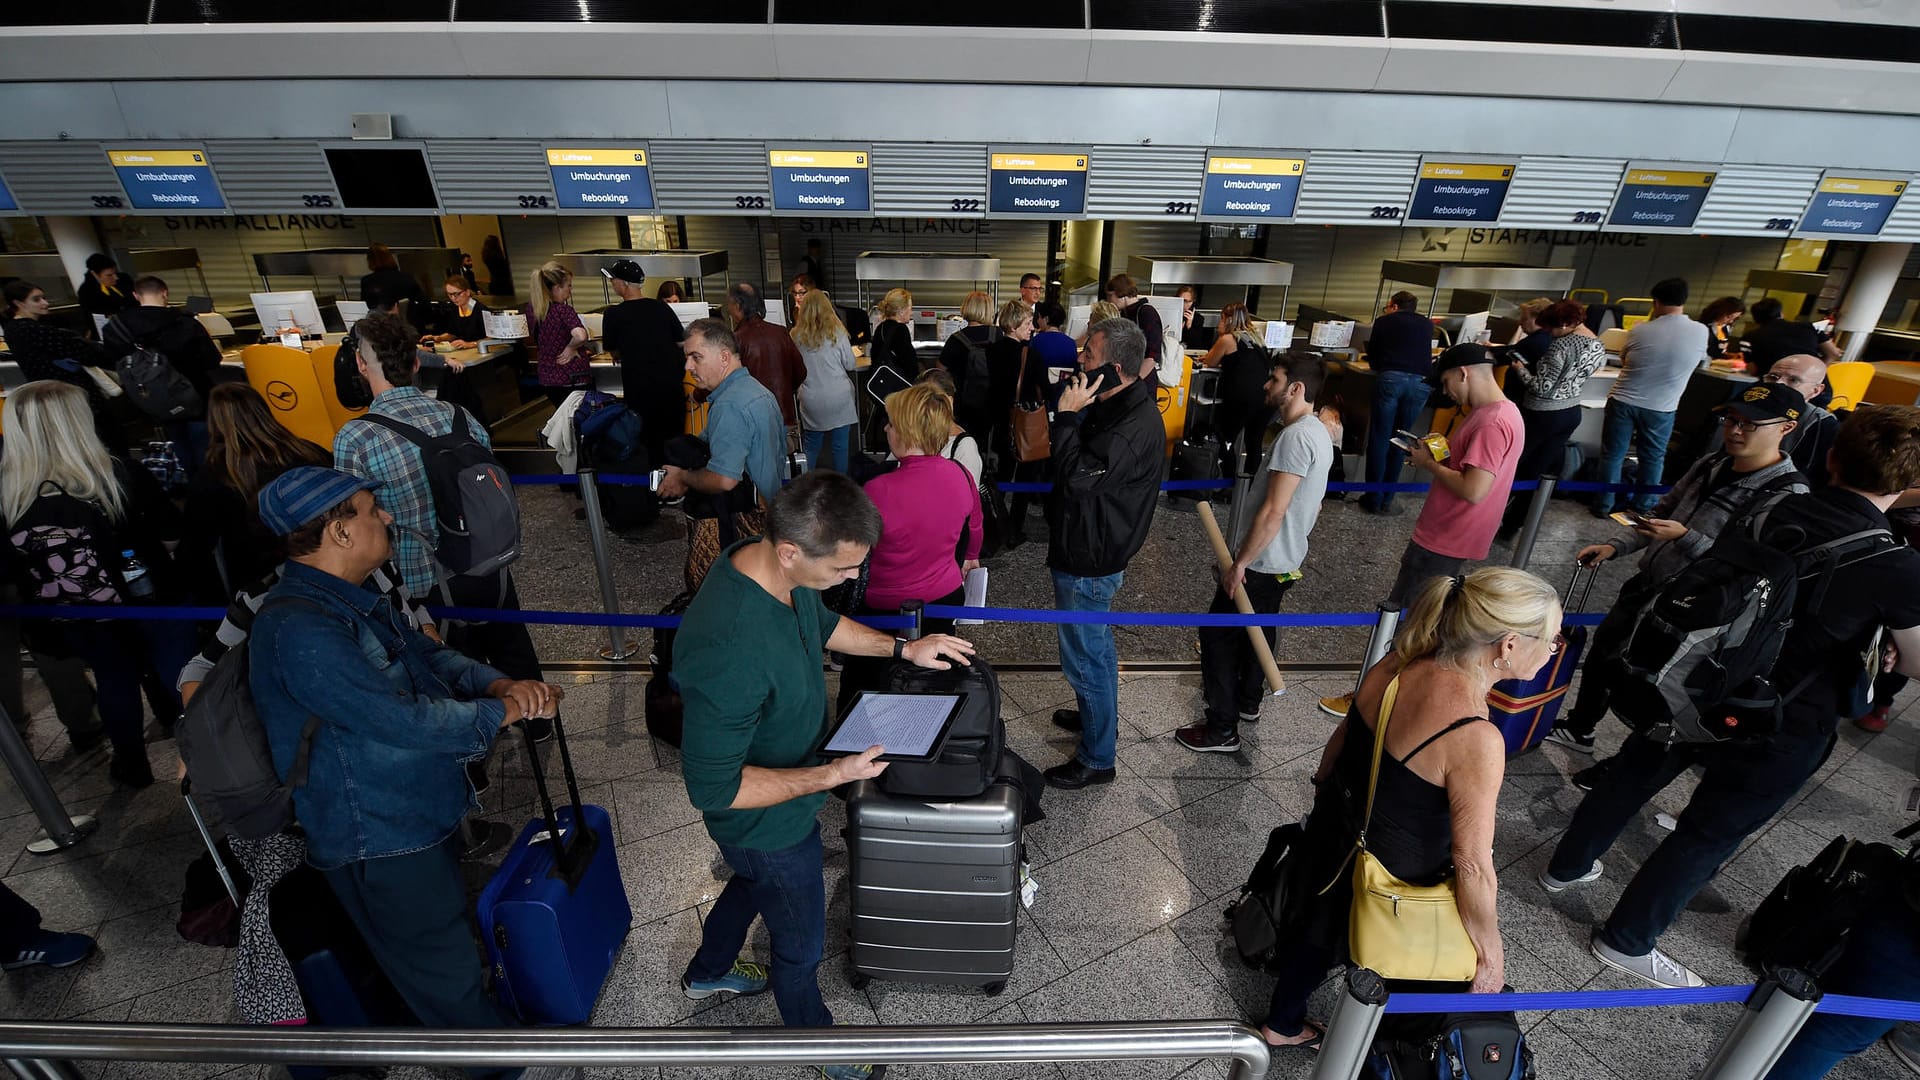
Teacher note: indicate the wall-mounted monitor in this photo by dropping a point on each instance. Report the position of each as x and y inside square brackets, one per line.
[382, 178]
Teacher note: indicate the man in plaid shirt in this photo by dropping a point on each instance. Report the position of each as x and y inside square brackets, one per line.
[390, 362]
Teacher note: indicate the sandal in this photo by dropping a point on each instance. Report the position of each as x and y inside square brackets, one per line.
[1313, 1043]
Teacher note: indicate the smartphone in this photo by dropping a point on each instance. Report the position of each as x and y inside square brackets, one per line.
[1103, 379]
[1405, 440]
[1632, 519]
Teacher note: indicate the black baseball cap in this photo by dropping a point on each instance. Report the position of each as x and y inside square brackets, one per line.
[627, 270]
[1465, 354]
[1767, 401]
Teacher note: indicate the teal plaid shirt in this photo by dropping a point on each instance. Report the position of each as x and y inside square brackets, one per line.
[378, 454]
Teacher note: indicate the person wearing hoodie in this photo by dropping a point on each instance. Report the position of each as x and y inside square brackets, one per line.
[179, 337]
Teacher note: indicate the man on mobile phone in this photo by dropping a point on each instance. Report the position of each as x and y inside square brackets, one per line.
[1683, 524]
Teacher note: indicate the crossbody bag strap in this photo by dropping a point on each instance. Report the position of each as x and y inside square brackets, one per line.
[1020, 380]
[1373, 780]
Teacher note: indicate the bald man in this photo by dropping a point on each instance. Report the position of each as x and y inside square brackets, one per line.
[1807, 444]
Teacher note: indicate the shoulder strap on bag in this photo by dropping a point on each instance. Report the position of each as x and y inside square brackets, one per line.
[406, 431]
[1020, 380]
[1373, 779]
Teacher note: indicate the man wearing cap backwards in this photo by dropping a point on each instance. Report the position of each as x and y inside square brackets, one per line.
[1684, 523]
[393, 715]
[1470, 487]
[644, 335]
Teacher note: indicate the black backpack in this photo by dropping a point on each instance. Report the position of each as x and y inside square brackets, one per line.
[473, 501]
[1808, 918]
[1258, 920]
[976, 383]
[1450, 1046]
[664, 708]
[154, 385]
[226, 752]
[969, 760]
[1698, 661]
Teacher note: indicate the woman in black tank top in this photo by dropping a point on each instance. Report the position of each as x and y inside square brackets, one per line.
[1440, 774]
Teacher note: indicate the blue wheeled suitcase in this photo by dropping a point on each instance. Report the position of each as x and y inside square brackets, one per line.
[1526, 708]
[554, 915]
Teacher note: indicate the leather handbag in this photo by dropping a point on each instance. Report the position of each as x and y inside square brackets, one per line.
[1028, 422]
[1402, 931]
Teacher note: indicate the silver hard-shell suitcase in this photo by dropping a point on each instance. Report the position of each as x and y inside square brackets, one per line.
[934, 886]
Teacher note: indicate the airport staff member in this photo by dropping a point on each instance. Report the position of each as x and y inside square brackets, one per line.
[749, 658]
[100, 293]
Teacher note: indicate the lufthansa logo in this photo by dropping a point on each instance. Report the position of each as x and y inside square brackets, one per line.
[282, 396]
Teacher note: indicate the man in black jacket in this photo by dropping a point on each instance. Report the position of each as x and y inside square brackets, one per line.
[169, 331]
[1109, 449]
[1400, 352]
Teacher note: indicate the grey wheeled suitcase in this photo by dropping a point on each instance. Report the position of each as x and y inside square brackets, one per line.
[934, 886]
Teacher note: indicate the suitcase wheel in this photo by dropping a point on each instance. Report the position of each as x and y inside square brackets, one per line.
[859, 981]
[995, 989]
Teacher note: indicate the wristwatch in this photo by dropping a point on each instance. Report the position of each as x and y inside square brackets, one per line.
[899, 648]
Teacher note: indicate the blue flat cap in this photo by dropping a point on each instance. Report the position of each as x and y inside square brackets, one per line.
[300, 495]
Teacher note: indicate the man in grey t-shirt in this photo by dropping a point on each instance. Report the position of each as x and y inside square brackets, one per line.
[1658, 359]
[1280, 515]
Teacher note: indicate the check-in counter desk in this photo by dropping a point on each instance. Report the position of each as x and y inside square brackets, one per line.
[1895, 382]
[428, 265]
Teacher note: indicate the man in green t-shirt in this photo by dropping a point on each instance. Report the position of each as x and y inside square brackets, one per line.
[749, 661]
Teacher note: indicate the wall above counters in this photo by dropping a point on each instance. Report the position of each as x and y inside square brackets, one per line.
[1125, 182]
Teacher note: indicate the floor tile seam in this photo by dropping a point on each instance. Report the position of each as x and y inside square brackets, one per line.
[1589, 1051]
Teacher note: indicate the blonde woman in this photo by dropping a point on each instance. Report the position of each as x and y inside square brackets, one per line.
[560, 338]
[892, 338]
[78, 520]
[1440, 776]
[828, 415]
[965, 357]
[926, 506]
[1101, 312]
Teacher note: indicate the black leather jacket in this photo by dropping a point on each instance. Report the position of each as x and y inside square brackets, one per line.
[1107, 462]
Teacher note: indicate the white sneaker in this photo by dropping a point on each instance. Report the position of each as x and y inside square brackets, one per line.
[1655, 967]
[1553, 884]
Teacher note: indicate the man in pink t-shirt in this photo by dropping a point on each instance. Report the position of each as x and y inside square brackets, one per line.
[1470, 487]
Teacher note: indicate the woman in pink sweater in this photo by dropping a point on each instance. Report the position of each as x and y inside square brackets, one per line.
[924, 506]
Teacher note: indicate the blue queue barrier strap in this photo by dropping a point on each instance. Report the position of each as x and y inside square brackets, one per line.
[1872, 1008]
[1569, 999]
[879, 622]
[1032, 487]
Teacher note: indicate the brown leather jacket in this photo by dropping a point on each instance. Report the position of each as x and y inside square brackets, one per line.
[773, 360]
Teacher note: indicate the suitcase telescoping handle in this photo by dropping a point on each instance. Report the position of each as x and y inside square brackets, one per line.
[570, 859]
[1568, 604]
[206, 837]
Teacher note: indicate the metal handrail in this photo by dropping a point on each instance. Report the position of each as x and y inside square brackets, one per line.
[33, 1049]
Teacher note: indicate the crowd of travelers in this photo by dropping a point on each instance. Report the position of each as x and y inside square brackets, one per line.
[383, 720]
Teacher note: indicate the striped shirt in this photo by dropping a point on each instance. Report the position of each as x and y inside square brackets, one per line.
[246, 604]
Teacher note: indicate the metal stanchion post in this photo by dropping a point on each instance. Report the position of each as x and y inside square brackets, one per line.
[1536, 509]
[1242, 484]
[1378, 642]
[1775, 1013]
[43, 1069]
[619, 646]
[915, 610]
[1356, 1016]
[57, 829]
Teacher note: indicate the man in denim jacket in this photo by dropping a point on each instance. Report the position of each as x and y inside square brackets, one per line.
[394, 715]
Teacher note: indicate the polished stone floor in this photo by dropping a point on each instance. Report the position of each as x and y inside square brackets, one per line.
[1126, 926]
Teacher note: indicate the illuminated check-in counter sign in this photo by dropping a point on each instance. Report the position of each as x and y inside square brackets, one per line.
[1660, 199]
[1251, 188]
[1848, 206]
[176, 180]
[601, 178]
[1455, 193]
[820, 181]
[1046, 185]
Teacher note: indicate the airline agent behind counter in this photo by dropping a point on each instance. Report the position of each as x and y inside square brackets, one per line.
[465, 323]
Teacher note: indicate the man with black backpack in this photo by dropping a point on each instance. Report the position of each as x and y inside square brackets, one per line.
[1758, 742]
[452, 540]
[164, 344]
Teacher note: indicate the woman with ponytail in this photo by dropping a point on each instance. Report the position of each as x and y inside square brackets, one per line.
[1433, 810]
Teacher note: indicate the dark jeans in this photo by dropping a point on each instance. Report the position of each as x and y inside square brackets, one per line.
[19, 923]
[787, 890]
[1596, 681]
[1544, 451]
[1399, 397]
[1230, 676]
[412, 911]
[1883, 961]
[1741, 788]
[121, 655]
[1886, 685]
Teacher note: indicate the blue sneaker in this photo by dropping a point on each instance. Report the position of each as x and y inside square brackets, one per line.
[743, 978]
[52, 950]
[853, 1072]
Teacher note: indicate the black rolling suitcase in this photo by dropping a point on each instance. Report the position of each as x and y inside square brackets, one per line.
[934, 887]
[1196, 457]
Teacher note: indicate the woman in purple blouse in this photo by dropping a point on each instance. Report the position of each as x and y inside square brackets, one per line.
[560, 339]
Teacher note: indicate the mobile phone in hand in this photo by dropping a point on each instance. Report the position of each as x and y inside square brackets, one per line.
[1403, 439]
[1632, 519]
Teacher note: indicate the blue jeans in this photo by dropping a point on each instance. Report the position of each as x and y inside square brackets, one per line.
[1091, 664]
[1741, 789]
[1649, 432]
[1399, 397]
[1883, 961]
[836, 440]
[787, 889]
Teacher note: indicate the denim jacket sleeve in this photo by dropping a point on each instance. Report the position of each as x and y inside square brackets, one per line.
[468, 677]
[321, 666]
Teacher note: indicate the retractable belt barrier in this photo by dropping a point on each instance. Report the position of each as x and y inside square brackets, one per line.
[1554, 1001]
[1339, 486]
